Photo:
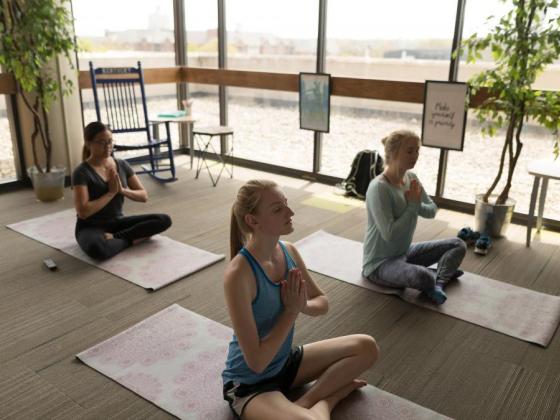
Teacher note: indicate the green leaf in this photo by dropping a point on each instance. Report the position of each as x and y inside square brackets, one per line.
[522, 43]
[31, 40]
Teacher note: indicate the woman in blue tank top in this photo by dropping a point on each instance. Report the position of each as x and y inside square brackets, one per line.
[266, 286]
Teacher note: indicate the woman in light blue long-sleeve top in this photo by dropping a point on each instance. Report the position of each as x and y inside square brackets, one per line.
[394, 201]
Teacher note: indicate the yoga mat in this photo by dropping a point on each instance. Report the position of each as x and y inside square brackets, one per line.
[151, 264]
[511, 310]
[332, 202]
[175, 358]
[325, 204]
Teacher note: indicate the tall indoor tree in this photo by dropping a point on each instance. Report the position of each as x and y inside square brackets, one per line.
[34, 33]
[522, 43]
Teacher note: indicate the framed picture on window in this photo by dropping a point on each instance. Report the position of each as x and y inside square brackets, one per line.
[445, 114]
[314, 101]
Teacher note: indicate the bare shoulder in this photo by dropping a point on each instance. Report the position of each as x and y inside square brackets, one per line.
[292, 250]
[238, 273]
[291, 247]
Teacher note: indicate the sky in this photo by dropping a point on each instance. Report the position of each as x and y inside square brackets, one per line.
[349, 19]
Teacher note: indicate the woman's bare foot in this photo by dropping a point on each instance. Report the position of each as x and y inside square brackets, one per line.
[108, 235]
[337, 396]
[137, 241]
[346, 390]
[324, 407]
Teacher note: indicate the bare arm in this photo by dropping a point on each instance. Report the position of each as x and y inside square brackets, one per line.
[240, 289]
[135, 190]
[84, 207]
[317, 301]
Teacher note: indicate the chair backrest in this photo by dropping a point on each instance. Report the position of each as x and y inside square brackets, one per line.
[125, 110]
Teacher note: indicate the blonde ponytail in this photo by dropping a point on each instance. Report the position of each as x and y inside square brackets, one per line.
[236, 237]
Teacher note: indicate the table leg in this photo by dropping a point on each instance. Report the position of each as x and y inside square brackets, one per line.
[531, 215]
[154, 163]
[190, 141]
[183, 135]
[542, 198]
[231, 155]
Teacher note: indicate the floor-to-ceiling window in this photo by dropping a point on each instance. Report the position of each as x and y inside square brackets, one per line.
[404, 41]
[121, 33]
[401, 41]
[201, 23]
[279, 37]
[7, 161]
[471, 171]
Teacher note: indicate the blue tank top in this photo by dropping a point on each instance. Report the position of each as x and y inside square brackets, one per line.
[267, 307]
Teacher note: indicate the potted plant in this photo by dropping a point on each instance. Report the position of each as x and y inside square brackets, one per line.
[34, 33]
[522, 43]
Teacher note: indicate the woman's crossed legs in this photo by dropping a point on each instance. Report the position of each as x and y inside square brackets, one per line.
[334, 364]
[106, 241]
[410, 270]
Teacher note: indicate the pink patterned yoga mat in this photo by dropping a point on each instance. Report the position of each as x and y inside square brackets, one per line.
[512, 310]
[174, 359]
[152, 264]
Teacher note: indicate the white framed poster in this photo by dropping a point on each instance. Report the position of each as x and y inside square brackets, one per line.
[314, 101]
[445, 114]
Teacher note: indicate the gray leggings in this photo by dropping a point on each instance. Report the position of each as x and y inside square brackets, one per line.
[410, 270]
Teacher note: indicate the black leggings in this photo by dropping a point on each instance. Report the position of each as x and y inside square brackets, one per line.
[91, 238]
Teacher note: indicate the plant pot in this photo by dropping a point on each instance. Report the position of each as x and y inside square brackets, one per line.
[490, 218]
[48, 186]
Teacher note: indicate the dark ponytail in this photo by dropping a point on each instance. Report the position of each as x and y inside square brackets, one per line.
[92, 130]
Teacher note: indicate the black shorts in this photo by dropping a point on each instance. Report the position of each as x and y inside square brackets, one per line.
[238, 395]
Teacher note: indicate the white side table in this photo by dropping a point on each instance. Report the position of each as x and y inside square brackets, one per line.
[203, 137]
[188, 121]
[545, 169]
